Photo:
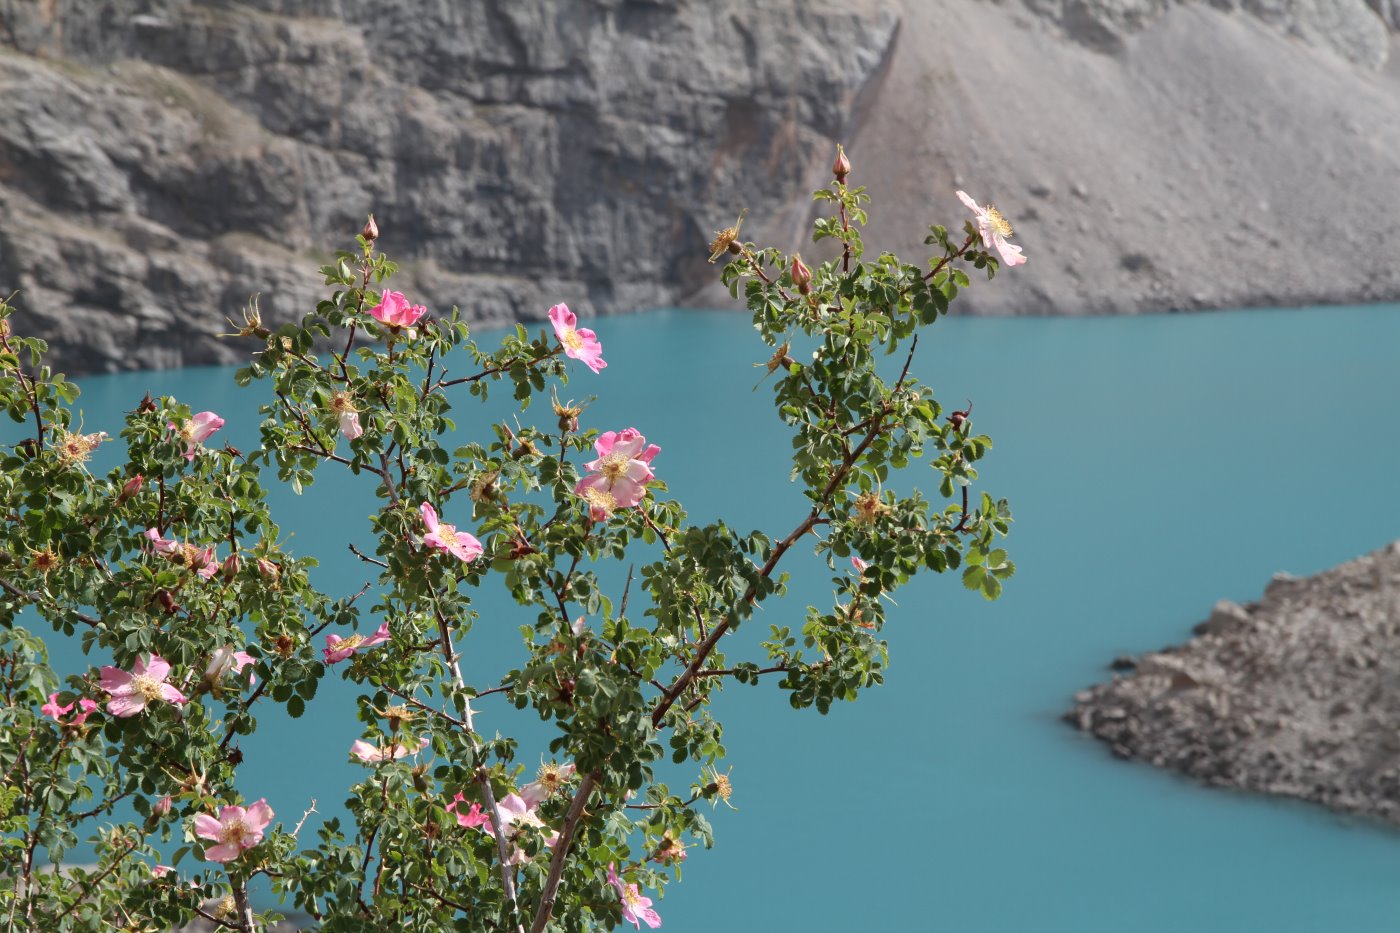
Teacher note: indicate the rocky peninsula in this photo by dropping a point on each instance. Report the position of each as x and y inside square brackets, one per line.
[163, 160]
[1297, 694]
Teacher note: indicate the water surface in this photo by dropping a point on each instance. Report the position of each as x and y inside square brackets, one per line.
[1155, 465]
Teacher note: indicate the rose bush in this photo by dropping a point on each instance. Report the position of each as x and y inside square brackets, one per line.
[199, 615]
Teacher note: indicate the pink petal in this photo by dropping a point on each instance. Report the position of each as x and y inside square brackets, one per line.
[155, 666]
[125, 706]
[1010, 253]
[430, 516]
[604, 443]
[259, 816]
[627, 493]
[561, 317]
[467, 548]
[350, 425]
[114, 679]
[224, 852]
[365, 751]
[206, 826]
[205, 424]
[169, 694]
[971, 204]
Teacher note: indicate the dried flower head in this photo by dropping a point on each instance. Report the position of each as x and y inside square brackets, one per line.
[670, 850]
[343, 403]
[779, 360]
[74, 449]
[566, 413]
[719, 787]
[870, 507]
[252, 322]
[727, 239]
[483, 487]
[284, 645]
[396, 715]
[225, 907]
[44, 560]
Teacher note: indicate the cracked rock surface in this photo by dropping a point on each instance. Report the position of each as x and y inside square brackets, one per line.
[163, 160]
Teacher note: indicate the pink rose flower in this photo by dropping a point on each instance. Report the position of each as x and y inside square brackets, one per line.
[859, 564]
[620, 474]
[393, 309]
[224, 661]
[372, 753]
[579, 343]
[537, 792]
[160, 871]
[338, 649]
[636, 909]
[348, 416]
[195, 431]
[235, 830]
[130, 488]
[52, 710]
[994, 229]
[447, 538]
[145, 684]
[56, 712]
[474, 817]
[350, 425]
[200, 560]
[516, 813]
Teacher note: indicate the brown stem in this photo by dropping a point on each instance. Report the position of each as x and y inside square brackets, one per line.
[18, 593]
[241, 905]
[947, 259]
[561, 852]
[495, 370]
[669, 698]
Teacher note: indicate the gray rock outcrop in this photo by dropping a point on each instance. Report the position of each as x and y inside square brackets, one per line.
[162, 160]
[1297, 694]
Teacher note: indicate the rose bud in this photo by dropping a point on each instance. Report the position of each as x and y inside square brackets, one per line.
[370, 231]
[131, 488]
[842, 166]
[230, 567]
[801, 275]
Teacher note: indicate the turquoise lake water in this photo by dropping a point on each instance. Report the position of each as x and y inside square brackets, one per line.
[1154, 465]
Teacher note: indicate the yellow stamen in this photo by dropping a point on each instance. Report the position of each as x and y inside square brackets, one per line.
[147, 686]
[614, 466]
[999, 223]
[600, 499]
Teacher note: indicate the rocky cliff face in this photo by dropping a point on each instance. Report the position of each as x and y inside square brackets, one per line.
[1296, 694]
[1154, 155]
[163, 160]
